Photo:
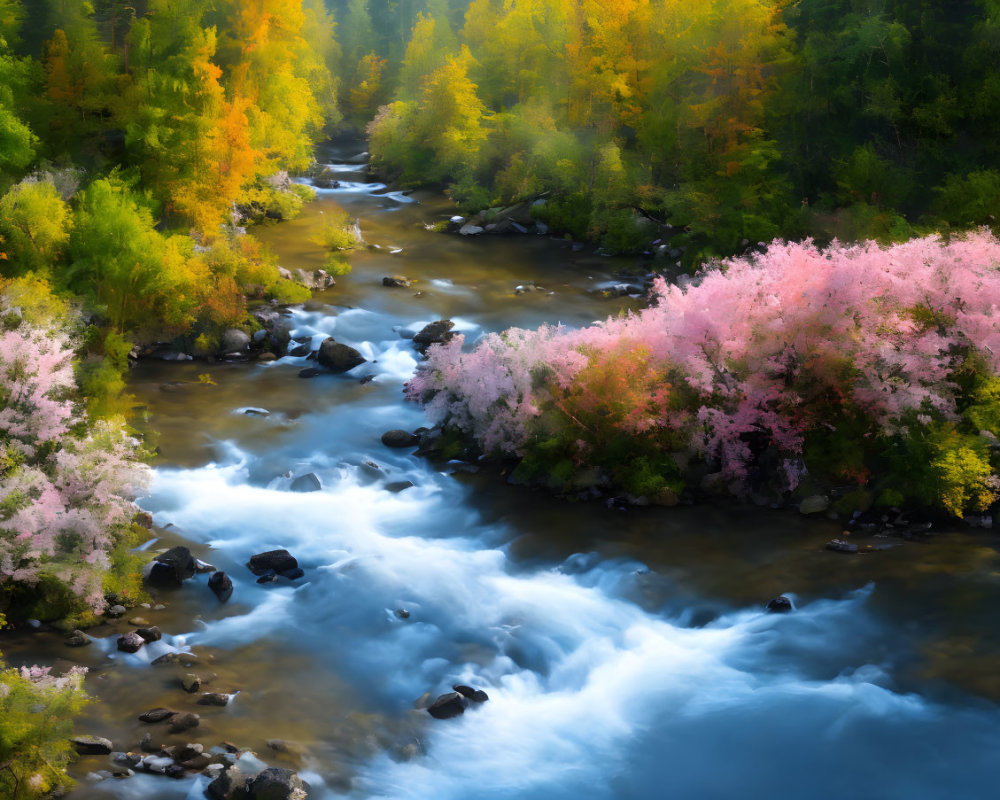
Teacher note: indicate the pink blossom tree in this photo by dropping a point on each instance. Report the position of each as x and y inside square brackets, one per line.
[764, 349]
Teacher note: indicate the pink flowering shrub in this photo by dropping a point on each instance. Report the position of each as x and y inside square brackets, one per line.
[846, 361]
[66, 486]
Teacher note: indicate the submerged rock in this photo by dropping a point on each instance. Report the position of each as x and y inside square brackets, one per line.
[184, 722]
[396, 281]
[840, 546]
[156, 715]
[77, 639]
[214, 699]
[307, 483]
[448, 705]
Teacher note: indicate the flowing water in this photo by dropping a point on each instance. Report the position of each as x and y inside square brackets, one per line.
[626, 654]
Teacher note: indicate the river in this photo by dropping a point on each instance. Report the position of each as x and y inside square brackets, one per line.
[626, 654]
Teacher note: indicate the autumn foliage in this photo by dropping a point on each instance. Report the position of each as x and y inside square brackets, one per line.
[850, 362]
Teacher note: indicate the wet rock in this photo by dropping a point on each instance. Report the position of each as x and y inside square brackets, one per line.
[77, 639]
[400, 438]
[175, 771]
[326, 178]
[222, 585]
[437, 332]
[475, 695]
[214, 699]
[468, 229]
[130, 642]
[230, 785]
[184, 722]
[117, 611]
[203, 567]
[139, 622]
[191, 683]
[197, 763]
[267, 357]
[402, 613]
[235, 341]
[174, 658]
[189, 751]
[277, 560]
[814, 504]
[268, 577]
[147, 746]
[306, 483]
[213, 771]
[448, 705]
[157, 764]
[310, 372]
[156, 714]
[171, 568]
[396, 282]
[338, 357]
[840, 546]
[128, 759]
[779, 605]
[275, 783]
[300, 350]
[150, 634]
[92, 745]
[398, 486]
[292, 574]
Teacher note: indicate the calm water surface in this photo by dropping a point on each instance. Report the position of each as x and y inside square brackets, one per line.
[626, 654]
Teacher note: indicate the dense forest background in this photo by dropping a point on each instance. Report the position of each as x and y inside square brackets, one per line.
[734, 121]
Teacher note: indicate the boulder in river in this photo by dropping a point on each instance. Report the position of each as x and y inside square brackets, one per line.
[276, 783]
[156, 714]
[448, 705]
[397, 437]
[326, 178]
[396, 281]
[191, 683]
[779, 605]
[277, 560]
[228, 786]
[150, 634]
[77, 639]
[130, 642]
[214, 699]
[436, 332]
[92, 745]
[814, 504]
[338, 357]
[307, 483]
[475, 695]
[234, 341]
[170, 568]
[222, 585]
[184, 722]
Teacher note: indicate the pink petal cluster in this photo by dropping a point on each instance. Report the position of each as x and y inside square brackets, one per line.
[66, 486]
[762, 345]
